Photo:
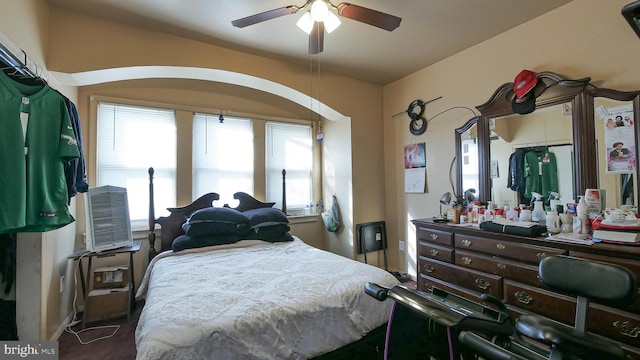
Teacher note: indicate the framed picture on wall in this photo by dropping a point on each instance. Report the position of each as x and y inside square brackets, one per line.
[415, 156]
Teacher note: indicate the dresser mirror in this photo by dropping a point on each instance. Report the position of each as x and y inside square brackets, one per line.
[615, 115]
[544, 136]
[557, 126]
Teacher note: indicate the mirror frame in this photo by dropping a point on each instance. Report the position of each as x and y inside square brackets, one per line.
[458, 143]
[560, 90]
[589, 114]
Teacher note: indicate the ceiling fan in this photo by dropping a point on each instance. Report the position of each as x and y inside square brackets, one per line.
[318, 18]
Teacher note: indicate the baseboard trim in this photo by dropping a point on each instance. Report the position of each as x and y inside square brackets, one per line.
[60, 330]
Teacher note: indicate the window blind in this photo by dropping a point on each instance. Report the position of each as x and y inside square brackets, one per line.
[222, 156]
[289, 147]
[130, 140]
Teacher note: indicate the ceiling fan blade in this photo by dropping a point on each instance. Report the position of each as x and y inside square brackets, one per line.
[316, 38]
[369, 16]
[264, 16]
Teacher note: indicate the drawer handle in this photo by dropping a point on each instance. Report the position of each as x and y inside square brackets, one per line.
[466, 260]
[501, 266]
[466, 243]
[523, 297]
[541, 255]
[434, 236]
[501, 246]
[429, 268]
[433, 252]
[482, 284]
[626, 328]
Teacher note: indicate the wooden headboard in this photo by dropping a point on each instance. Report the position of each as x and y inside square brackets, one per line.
[171, 226]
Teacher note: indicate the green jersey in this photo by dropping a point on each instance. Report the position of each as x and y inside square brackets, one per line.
[541, 173]
[36, 139]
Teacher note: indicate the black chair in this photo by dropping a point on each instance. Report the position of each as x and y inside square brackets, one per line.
[587, 280]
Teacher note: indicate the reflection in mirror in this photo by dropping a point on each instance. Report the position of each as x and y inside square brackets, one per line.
[469, 159]
[468, 165]
[616, 150]
[532, 154]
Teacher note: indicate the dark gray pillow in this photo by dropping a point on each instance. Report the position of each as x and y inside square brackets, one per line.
[267, 232]
[265, 217]
[214, 228]
[280, 238]
[215, 221]
[184, 242]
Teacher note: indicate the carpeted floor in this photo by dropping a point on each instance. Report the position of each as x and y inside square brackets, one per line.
[121, 346]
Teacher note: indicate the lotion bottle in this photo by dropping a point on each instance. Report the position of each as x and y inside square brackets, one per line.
[582, 211]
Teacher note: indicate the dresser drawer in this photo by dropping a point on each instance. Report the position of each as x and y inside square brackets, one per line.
[467, 278]
[506, 249]
[632, 265]
[506, 268]
[435, 252]
[615, 324]
[434, 236]
[539, 301]
[427, 283]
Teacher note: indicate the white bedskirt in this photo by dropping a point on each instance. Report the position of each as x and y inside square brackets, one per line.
[256, 300]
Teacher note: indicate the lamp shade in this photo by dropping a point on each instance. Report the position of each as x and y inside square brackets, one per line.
[445, 199]
[319, 10]
[331, 22]
[305, 23]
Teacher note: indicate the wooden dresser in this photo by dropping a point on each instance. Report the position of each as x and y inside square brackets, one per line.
[469, 261]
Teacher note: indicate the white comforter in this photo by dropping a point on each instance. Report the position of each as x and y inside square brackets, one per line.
[260, 301]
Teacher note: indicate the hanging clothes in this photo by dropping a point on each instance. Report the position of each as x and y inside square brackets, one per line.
[541, 172]
[75, 170]
[516, 180]
[8, 260]
[37, 141]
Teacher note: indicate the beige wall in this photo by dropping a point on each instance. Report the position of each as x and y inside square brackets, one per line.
[582, 38]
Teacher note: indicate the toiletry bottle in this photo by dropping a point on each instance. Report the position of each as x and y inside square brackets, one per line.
[553, 222]
[537, 215]
[490, 214]
[582, 211]
[511, 215]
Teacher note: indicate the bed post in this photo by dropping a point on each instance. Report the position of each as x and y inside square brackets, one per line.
[152, 219]
[284, 192]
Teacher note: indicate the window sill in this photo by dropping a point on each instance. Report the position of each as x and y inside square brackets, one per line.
[302, 218]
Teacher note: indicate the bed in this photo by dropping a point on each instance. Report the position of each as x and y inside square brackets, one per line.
[263, 296]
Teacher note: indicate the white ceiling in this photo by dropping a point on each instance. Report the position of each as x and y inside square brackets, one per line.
[431, 30]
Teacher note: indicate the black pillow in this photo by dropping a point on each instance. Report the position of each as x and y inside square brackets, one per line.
[184, 242]
[279, 238]
[214, 228]
[265, 217]
[267, 232]
[213, 221]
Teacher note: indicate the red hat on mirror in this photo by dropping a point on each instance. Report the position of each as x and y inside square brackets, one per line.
[524, 82]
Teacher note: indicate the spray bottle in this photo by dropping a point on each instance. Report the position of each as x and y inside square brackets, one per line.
[554, 200]
[538, 214]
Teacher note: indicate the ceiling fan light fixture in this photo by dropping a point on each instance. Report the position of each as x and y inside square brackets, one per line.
[305, 23]
[319, 11]
[331, 22]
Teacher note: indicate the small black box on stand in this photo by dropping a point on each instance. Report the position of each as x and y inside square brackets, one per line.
[373, 237]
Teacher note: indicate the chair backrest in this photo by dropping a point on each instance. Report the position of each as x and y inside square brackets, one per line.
[598, 281]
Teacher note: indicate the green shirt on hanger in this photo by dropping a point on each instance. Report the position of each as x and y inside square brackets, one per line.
[36, 140]
[541, 173]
